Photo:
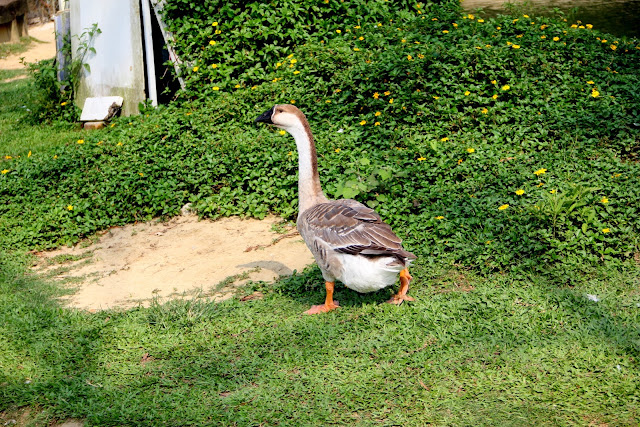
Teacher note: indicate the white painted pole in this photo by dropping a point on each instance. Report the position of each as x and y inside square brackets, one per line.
[148, 48]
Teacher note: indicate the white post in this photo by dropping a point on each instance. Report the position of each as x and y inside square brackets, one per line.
[148, 48]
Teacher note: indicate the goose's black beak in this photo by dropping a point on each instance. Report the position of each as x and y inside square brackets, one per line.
[265, 117]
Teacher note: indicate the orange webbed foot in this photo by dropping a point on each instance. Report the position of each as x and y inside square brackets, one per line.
[323, 308]
[401, 296]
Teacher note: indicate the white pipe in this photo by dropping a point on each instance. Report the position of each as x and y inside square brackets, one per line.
[148, 48]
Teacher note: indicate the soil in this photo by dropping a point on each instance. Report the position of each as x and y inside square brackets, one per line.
[131, 265]
[44, 47]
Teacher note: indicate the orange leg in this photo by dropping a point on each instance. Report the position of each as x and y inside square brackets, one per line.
[401, 296]
[329, 303]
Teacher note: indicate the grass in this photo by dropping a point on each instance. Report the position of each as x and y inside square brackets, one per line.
[7, 49]
[493, 353]
[526, 315]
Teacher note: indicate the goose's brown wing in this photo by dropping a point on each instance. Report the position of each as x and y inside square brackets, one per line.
[350, 227]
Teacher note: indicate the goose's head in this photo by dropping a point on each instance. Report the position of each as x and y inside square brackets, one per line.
[284, 116]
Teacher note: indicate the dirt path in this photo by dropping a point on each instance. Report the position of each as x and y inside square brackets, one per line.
[43, 48]
[131, 265]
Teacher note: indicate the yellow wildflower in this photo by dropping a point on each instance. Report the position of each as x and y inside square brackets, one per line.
[606, 230]
[216, 88]
[445, 31]
[595, 93]
[591, 82]
[64, 103]
[391, 101]
[589, 26]
[363, 122]
[484, 111]
[520, 192]
[543, 37]
[444, 139]
[376, 124]
[503, 207]
[439, 217]
[282, 132]
[409, 57]
[555, 39]
[338, 31]
[506, 87]
[81, 141]
[376, 95]
[70, 208]
[471, 150]
[214, 66]
[378, 113]
[294, 61]
[515, 46]
[387, 93]
[5, 171]
[553, 191]
[422, 159]
[337, 150]
[29, 153]
[604, 200]
[215, 24]
[467, 93]
[480, 20]
[613, 47]
[540, 172]
[495, 96]
[212, 42]
[195, 69]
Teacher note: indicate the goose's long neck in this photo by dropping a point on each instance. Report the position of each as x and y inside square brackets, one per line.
[309, 189]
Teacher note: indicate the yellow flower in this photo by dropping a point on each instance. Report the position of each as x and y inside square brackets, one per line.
[69, 208]
[460, 161]
[212, 42]
[422, 159]
[542, 27]
[493, 82]
[294, 61]
[363, 122]
[55, 157]
[296, 72]
[214, 66]
[238, 86]
[436, 97]
[471, 150]
[409, 57]
[480, 20]
[589, 26]
[281, 132]
[278, 64]
[378, 113]
[515, 46]
[29, 154]
[391, 101]
[5, 171]
[81, 141]
[360, 38]
[514, 21]
[387, 93]
[540, 172]
[606, 230]
[445, 31]
[555, 39]
[216, 88]
[444, 139]
[613, 47]
[591, 82]
[64, 103]
[376, 124]
[195, 69]
[509, 43]
[503, 207]
[338, 31]
[119, 143]
[290, 153]
[470, 16]
[574, 26]
[604, 200]
[403, 40]
[506, 87]
[467, 93]
[553, 191]
[337, 150]
[376, 95]
[543, 37]
[495, 96]
[455, 25]
[140, 173]
[439, 217]
[484, 111]
[520, 192]
[526, 16]
[595, 93]
[603, 40]
[215, 24]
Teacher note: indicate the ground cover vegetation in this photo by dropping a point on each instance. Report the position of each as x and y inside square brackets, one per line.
[503, 151]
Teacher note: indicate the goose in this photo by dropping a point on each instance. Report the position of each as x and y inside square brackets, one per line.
[348, 240]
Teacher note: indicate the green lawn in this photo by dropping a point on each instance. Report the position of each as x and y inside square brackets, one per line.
[512, 172]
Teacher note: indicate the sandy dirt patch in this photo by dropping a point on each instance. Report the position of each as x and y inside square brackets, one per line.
[131, 265]
[43, 48]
